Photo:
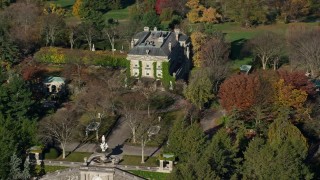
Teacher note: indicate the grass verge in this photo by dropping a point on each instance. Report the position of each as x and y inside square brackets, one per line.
[75, 156]
[150, 175]
[136, 161]
[119, 14]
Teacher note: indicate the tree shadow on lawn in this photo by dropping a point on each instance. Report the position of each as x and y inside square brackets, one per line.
[238, 49]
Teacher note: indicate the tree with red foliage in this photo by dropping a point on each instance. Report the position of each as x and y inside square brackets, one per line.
[239, 92]
[160, 5]
[298, 80]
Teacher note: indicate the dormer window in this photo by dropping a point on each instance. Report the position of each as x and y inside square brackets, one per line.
[147, 65]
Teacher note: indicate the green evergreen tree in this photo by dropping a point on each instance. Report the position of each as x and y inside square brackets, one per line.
[15, 172]
[221, 155]
[282, 156]
[8, 145]
[9, 52]
[151, 19]
[15, 98]
[25, 174]
[92, 11]
[176, 136]
[18, 127]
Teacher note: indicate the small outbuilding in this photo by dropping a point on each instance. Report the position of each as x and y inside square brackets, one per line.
[245, 69]
[54, 84]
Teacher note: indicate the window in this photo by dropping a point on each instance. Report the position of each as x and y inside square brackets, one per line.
[136, 65]
[147, 65]
[159, 75]
[147, 74]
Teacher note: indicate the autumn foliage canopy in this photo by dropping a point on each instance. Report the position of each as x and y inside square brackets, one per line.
[284, 89]
[239, 92]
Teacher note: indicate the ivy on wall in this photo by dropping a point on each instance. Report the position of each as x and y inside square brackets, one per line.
[166, 77]
[140, 69]
[155, 70]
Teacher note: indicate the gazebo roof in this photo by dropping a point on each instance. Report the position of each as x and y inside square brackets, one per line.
[51, 79]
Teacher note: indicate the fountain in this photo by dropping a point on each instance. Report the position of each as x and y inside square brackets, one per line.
[103, 157]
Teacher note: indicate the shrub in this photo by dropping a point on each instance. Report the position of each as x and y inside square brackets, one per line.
[161, 101]
[100, 58]
[52, 153]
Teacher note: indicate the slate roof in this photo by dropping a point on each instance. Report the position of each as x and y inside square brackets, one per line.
[148, 41]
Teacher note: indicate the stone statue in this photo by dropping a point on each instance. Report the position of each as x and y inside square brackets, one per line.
[171, 86]
[104, 146]
[126, 82]
[93, 49]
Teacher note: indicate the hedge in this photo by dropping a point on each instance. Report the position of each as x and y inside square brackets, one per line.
[61, 56]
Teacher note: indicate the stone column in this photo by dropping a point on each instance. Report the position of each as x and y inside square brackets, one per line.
[161, 165]
[170, 165]
[36, 155]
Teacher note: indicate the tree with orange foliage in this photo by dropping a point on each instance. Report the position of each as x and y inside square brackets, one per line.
[287, 96]
[76, 8]
[195, 9]
[197, 39]
[298, 80]
[211, 15]
[199, 13]
[239, 92]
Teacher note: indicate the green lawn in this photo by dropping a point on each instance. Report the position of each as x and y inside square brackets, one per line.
[235, 32]
[136, 161]
[63, 3]
[75, 156]
[238, 36]
[49, 169]
[119, 14]
[150, 175]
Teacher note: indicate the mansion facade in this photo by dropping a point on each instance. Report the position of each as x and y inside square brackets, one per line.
[151, 48]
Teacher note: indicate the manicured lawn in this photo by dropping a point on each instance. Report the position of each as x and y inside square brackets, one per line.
[75, 156]
[119, 14]
[238, 36]
[150, 175]
[136, 161]
[235, 32]
[63, 3]
[238, 62]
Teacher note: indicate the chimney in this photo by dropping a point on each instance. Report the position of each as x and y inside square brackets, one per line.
[132, 43]
[170, 46]
[146, 29]
[177, 32]
[155, 29]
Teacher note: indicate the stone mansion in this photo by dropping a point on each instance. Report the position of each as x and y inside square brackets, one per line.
[150, 48]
